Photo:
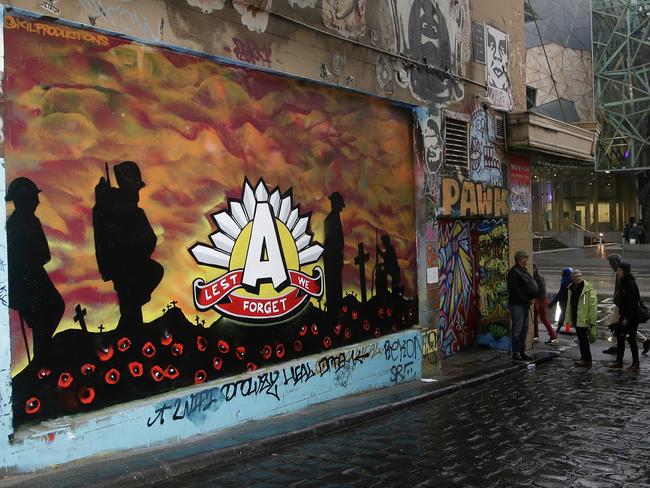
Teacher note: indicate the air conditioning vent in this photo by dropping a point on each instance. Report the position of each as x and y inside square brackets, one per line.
[500, 122]
[456, 143]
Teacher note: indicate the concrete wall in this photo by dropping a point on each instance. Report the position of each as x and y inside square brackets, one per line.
[374, 50]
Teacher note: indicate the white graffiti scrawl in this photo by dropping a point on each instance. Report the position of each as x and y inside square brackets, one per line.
[484, 156]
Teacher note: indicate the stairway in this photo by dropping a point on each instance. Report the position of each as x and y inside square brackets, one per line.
[547, 244]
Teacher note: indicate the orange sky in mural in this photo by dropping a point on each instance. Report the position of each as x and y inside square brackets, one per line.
[196, 129]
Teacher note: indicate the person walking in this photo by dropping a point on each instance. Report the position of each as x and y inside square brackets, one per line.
[562, 296]
[522, 289]
[627, 300]
[614, 260]
[582, 309]
[540, 309]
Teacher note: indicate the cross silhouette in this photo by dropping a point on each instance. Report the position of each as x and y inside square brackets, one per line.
[174, 303]
[79, 317]
[198, 320]
[360, 261]
[101, 328]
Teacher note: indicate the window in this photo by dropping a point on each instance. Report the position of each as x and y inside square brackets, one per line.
[456, 143]
[531, 97]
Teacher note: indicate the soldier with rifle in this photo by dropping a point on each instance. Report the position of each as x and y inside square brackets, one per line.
[125, 241]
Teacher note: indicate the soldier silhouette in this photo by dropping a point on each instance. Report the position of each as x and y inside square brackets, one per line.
[31, 292]
[391, 267]
[125, 241]
[333, 254]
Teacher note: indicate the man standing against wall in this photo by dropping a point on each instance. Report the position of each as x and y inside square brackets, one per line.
[521, 290]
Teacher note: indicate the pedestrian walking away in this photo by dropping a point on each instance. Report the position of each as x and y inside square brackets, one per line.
[522, 289]
[614, 261]
[582, 310]
[540, 308]
[627, 300]
[561, 297]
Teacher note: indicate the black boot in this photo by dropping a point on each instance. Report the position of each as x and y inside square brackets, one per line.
[646, 346]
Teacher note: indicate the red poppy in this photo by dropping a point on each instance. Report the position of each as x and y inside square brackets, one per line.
[217, 363]
[267, 351]
[136, 369]
[389, 311]
[171, 372]
[223, 347]
[395, 328]
[355, 315]
[43, 373]
[166, 339]
[240, 352]
[377, 332]
[200, 376]
[112, 376]
[87, 369]
[344, 309]
[380, 312]
[251, 366]
[327, 342]
[201, 343]
[65, 380]
[303, 330]
[32, 406]
[366, 325]
[86, 395]
[106, 353]
[314, 329]
[347, 333]
[157, 373]
[177, 349]
[148, 350]
[337, 329]
[124, 344]
[280, 350]
[297, 345]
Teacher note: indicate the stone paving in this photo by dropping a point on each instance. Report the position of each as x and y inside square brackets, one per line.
[553, 426]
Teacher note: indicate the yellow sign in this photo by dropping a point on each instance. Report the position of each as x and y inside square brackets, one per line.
[471, 199]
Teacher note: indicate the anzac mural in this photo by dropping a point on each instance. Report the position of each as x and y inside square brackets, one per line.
[173, 220]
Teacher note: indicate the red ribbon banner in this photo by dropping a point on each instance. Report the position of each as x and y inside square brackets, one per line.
[217, 294]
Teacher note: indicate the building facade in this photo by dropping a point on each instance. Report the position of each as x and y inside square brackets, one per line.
[219, 211]
[571, 199]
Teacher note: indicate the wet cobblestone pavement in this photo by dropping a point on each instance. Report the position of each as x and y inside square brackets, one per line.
[555, 426]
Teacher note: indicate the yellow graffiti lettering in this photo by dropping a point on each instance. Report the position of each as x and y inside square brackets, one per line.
[450, 195]
[468, 199]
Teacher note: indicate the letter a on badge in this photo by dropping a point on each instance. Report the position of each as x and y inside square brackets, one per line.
[264, 259]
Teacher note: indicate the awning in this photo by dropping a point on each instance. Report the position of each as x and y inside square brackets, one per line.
[529, 132]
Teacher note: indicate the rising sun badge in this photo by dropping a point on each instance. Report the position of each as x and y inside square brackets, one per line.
[262, 244]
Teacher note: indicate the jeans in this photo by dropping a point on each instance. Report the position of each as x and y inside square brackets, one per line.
[583, 342]
[628, 330]
[519, 317]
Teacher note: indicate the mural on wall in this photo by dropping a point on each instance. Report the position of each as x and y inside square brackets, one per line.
[493, 328]
[520, 185]
[458, 314]
[347, 17]
[485, 156]
[196, 220]
[496, 65]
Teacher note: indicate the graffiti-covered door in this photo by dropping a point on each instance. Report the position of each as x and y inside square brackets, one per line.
[458, 240]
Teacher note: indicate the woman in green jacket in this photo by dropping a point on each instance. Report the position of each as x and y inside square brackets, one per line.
[582, 308]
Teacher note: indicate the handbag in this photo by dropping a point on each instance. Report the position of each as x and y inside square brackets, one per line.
[642, 314]
[593, 333]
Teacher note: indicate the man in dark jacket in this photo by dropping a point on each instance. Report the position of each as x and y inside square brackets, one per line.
[521, 290]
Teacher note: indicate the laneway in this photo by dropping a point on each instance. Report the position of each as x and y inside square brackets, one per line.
[554, 426]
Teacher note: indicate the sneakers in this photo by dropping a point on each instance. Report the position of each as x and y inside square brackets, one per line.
[615, 365]
[536, 339]
[633, 367]
[525, 357]
[646, 346]
[555, 340]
